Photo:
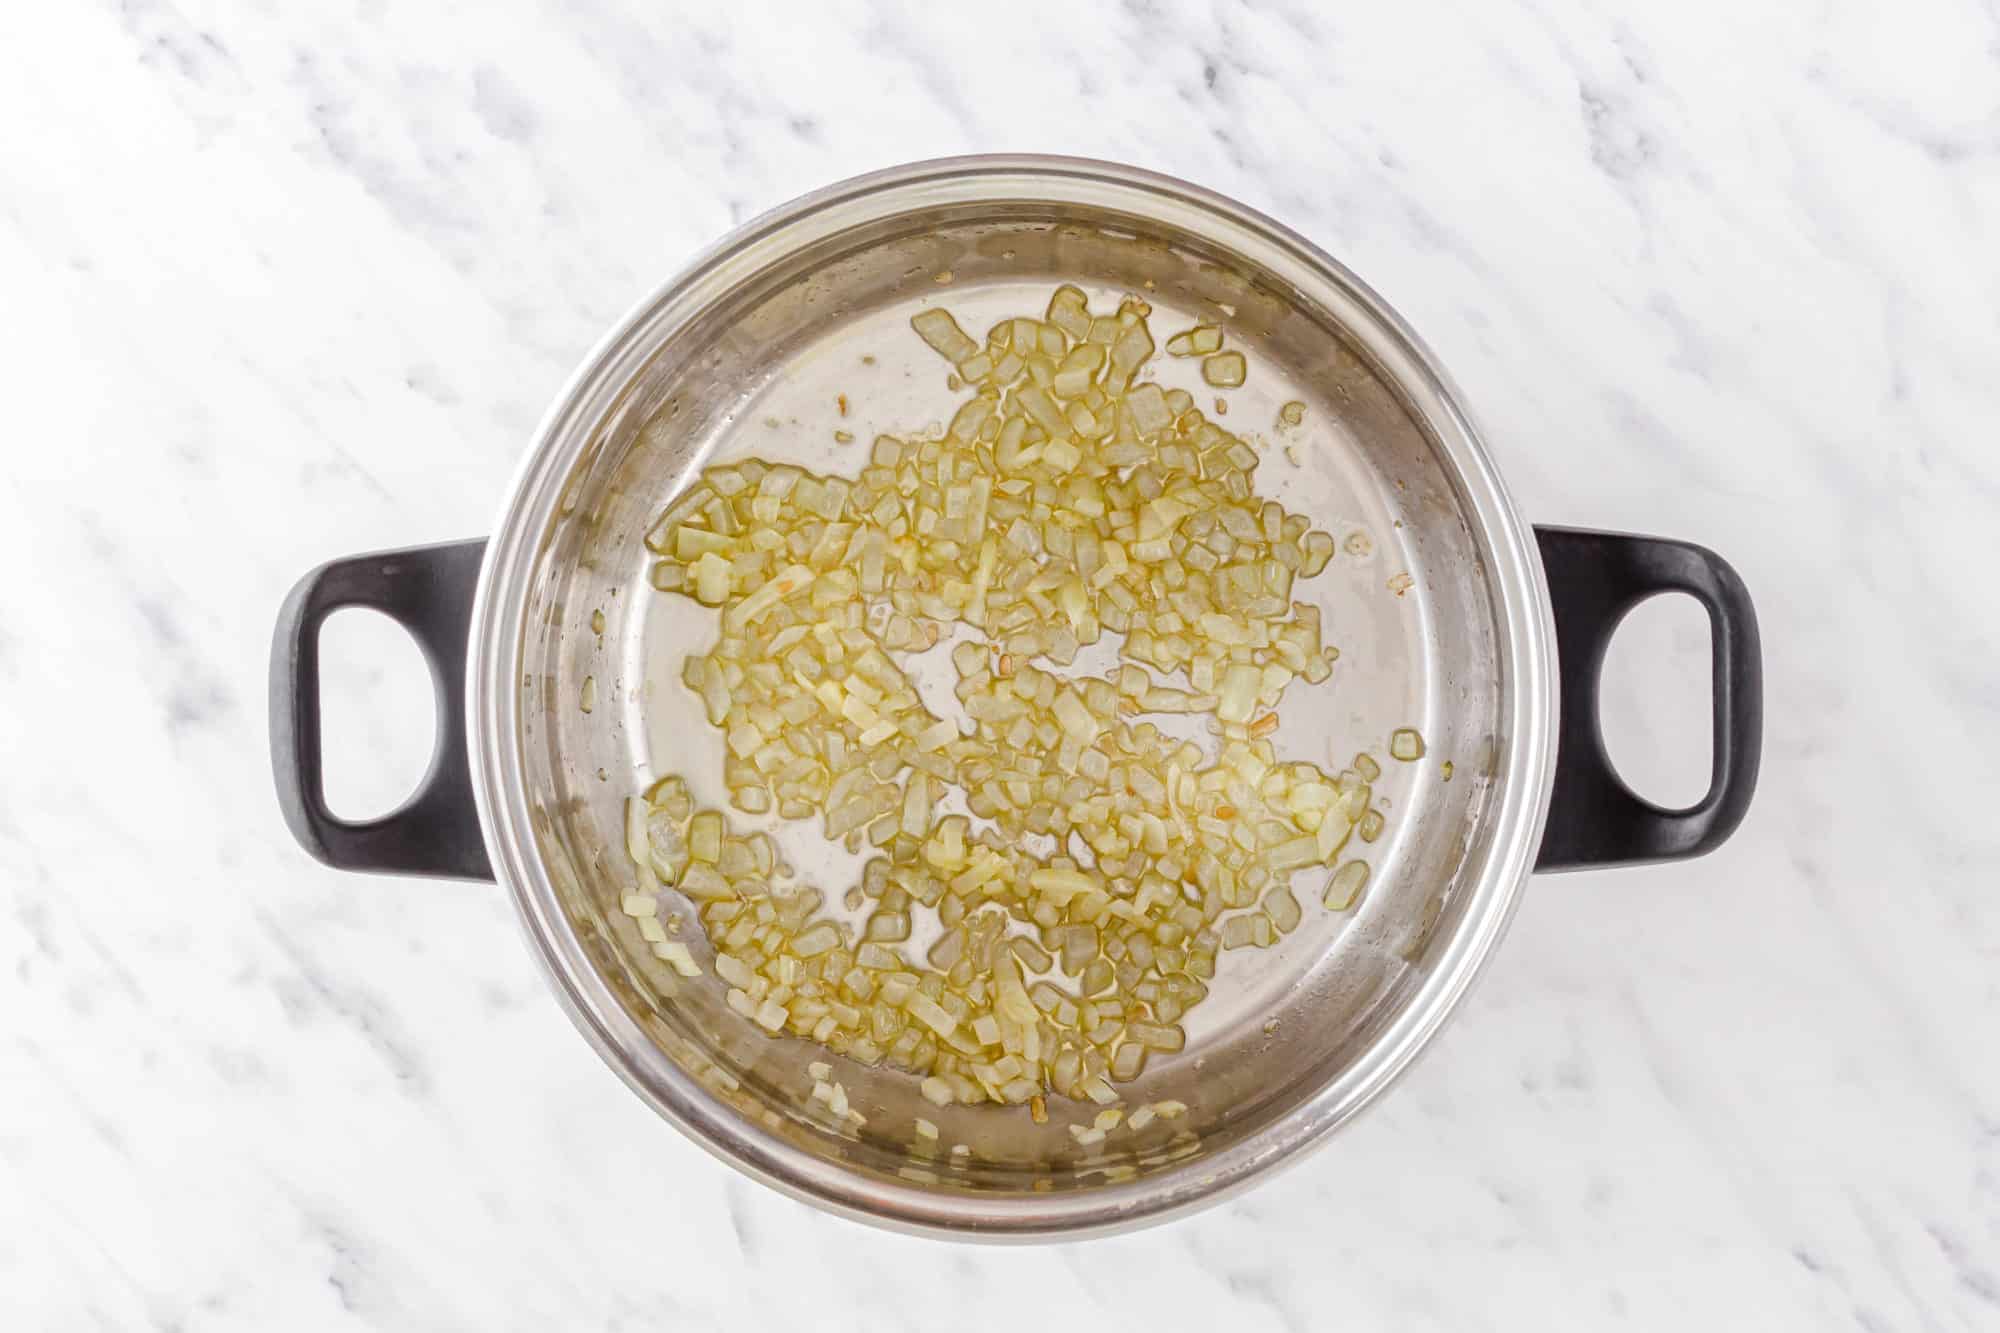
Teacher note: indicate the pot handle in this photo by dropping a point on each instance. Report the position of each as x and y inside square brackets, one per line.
[1594, 579]
[428, 590]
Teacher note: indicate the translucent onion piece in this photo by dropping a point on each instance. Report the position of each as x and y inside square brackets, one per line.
[676, 955]
[1225, 370]
[941, 331]
[1344, 889]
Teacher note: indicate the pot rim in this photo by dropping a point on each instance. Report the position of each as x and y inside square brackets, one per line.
[496, 650]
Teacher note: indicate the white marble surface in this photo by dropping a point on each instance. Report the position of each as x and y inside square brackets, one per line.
[281, 282]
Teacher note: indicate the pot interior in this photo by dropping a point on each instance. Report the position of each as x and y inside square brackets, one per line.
[755, 370]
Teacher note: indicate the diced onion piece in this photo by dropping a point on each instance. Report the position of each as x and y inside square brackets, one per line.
[1149, 410]
[705, 837]
[1345, 887]
[937, 735]
[1331, 835]
[1225, 370]
[1293, 853]
[676, 955]
[813, 942]
[1074, 718]
[965, 425]
[1069, 312]
[1042, 410]
[1132, 350]
[773, 591]
[931, 1014]
[1238, 696]
[1197, 341]
[1059, 885]
[937, 328]
[711, 579]
[1406, 744]
[638, 845]
[700, 880]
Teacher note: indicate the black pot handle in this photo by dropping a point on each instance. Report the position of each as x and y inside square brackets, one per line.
[427, 590]
[1594, 818]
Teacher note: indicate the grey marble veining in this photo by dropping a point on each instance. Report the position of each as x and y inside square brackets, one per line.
[282, 283]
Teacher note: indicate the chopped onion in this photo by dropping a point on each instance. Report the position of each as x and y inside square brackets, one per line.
[676, 955]
[941, 331]
[1225, 370]
[1197, 341]
[1345, 887]
[1067, 500]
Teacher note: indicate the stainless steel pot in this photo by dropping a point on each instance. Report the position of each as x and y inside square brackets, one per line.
[527, 787]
